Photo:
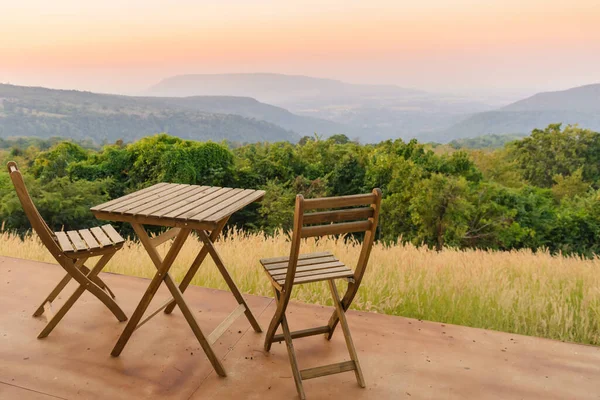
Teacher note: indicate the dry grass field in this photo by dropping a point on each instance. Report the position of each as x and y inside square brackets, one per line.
[532, 294]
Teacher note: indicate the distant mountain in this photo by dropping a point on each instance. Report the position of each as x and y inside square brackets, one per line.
[268, 87]
[580, 99]
[34, 111]
[580, 105]
[370, 112]
[252, 108]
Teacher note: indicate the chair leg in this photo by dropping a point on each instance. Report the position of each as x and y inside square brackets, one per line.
[96, 279]
[83, 286]
[56, 291]
[275, 321]
[100, 294]
[346, 330]
[53, 294]
[292, 355]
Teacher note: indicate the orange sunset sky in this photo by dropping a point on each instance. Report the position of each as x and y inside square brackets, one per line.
[442, 45]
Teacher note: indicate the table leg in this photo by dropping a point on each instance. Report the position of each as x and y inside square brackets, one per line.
[163, 275]
[162, 270]
[187, 279]
[232, 286]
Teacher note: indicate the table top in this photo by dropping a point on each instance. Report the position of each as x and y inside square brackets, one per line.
[178, 205]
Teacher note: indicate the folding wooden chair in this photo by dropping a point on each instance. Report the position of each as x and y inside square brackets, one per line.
[285, 272]
[71, 250]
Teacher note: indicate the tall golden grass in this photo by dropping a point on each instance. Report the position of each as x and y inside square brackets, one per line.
[523, 292]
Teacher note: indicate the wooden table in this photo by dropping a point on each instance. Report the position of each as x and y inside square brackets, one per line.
[183, 208]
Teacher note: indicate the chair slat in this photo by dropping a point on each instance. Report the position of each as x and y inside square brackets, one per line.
[112, 234]
[63, 241]
[313, 267]
[330, 369]
[335, 229]
[101, 236]
[306, 262]
[343, 269]
[351, 214]
[316, 278]
[341, 201]
[76, 240]
[274, 260]
[91, 241]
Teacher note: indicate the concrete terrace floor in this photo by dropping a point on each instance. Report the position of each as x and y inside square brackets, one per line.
[402, 358]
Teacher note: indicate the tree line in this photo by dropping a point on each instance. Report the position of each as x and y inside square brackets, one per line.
[542, 191]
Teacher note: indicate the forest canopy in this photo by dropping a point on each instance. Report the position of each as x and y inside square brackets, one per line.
[542, 191]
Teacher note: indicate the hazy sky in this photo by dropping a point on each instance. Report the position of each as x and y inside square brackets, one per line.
[443, 45]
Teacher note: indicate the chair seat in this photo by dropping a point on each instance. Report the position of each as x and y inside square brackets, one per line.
[98, 239]
[312, 267]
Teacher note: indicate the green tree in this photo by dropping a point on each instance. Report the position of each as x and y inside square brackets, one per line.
[439, 209]
[552, 151]
[54, 163]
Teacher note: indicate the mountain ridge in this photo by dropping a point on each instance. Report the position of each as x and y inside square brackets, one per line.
[579, 105]
[43, 112]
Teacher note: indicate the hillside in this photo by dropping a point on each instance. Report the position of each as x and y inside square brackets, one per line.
[579, 105]
[485, 141]
[41, 112]
[252, 108]
[369, 112]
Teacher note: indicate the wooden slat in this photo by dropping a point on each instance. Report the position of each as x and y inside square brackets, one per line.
[311, 267]
[145, 199]
[319, 272]
[222, 204]
[273, 260]
[164, 200]
[112, 234]
[303, 333]
[181, 205]
[328, 370]
[316, 278]
[153, 314]
[341, 201]
[130, 196]
[174, 200]
[253, 196]
[76, 240]
[309, 261]
[90, 240]
[101, 236]
[149, 220]
[351, 214]
[163, 237]
[216, 200]
[63, 241]
[200, 204]
[335, 229]
[223, 326]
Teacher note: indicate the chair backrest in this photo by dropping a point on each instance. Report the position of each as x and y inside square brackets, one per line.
[338, 218]
[37, 222]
